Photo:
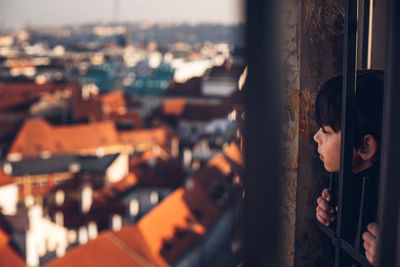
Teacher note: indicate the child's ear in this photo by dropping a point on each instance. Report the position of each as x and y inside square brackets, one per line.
[368, 148]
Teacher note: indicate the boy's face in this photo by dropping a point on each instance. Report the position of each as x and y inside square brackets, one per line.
[329, 148]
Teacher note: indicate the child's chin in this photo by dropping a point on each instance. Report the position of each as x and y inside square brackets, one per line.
[330, 168]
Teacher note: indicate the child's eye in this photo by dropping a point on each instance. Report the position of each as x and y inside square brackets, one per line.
[323, 130]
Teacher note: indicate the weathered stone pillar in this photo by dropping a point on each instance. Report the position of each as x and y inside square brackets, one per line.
[313, 50]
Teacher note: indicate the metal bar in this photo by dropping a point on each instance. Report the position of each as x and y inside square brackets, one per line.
[367, 34]
[390, 167]
[349, 87]
[344, 245]
[263, 97]
[360, 214]
[355, 254]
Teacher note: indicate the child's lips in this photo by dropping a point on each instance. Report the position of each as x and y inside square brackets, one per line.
[321, 157]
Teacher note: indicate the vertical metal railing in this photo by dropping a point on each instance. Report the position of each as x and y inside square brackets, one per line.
[263, 97]
[388, 248]
[343, 249]
[348, 93]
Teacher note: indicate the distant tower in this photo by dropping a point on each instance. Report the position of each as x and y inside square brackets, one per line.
[117, 6]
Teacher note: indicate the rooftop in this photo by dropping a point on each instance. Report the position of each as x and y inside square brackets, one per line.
[37, 138]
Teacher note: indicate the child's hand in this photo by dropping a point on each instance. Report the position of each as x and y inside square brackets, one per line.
[371, 242]
[325, 212]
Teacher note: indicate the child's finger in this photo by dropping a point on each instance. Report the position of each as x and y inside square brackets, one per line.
[326, 216]
[326, 195]
[373, 229]
[366, 246]
[322, 220]
[324, 205]
[323, 214]
[370, 257]
[369, 238]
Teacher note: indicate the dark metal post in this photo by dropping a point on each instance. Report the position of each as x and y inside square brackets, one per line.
[263, 97]
[390, 167]
[349, 78]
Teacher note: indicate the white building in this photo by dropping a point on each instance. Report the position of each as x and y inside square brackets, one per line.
[8, 195]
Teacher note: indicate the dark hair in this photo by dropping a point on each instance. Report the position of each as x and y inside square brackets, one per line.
[368, 105]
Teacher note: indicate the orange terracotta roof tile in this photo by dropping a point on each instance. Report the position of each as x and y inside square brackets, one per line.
[37, 136]
[133, 238]
[105, 251]
[9, 258]
[144, 139]
[13, 94]
[4, 238]
[218, 180]
[5, 179]
[114, 102]
[177, 223]
[174, 107]
[88, 109]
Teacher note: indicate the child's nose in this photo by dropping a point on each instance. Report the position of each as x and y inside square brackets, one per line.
[316, 136]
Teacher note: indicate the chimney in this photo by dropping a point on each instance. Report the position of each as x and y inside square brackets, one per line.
[116, 222]
[175, 147]
[60, 197]
[83, 235]
[71, 236]
[154, 197]
[133, 207]
[86, 198]
[7, 168]
[187, 158]
[92, 230]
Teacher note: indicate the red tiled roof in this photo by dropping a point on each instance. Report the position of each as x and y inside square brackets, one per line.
[36, 136]
[14, 94]
[164, 234]
[174, 107]
[4, 179]
[4, 238]
[172, 227]
[88, 109]
[144, 139]
[114, 102]
[105, 251]
[9, 258]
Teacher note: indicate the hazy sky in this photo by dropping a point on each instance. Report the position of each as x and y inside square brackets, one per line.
[55, 12]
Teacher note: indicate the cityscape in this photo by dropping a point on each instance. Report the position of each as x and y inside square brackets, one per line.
[121, 144]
